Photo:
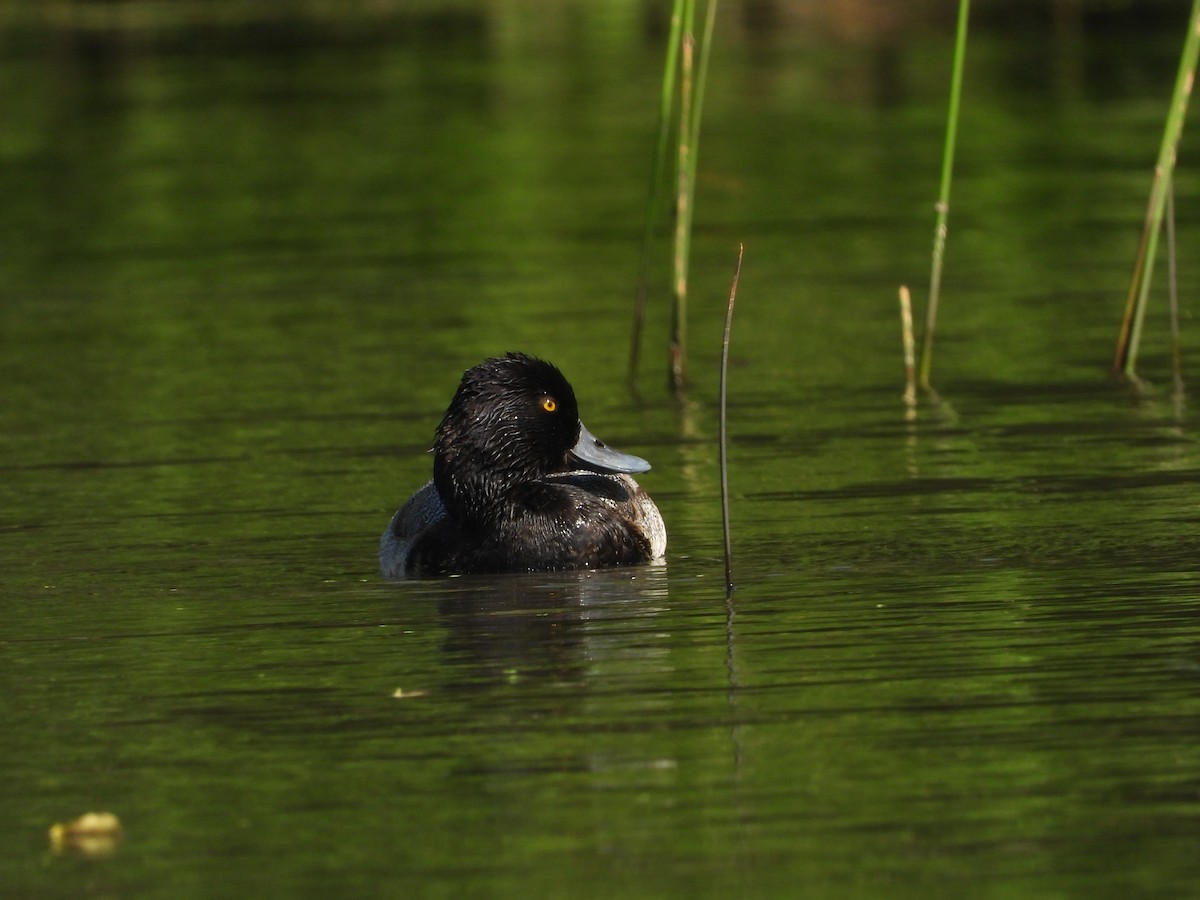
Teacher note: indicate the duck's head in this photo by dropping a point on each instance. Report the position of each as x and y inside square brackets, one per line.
[513, 420]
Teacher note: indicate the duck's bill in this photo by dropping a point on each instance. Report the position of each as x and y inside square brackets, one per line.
[595, 454]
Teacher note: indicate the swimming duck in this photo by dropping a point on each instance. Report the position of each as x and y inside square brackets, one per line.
[519, 485]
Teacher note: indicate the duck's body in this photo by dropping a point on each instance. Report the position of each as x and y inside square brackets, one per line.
[580, 520]
[510, 492]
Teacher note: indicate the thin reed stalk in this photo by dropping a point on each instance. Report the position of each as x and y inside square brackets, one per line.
[706, 40]
[687, 67]
[906, 337]
[654, 203]
[943, 204]
[693, 76]
[722, 439]
[677, 347]
[1130, 336]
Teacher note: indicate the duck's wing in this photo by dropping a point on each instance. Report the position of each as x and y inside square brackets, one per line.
[419, 512]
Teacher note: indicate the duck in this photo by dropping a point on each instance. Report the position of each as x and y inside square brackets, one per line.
[521, 485]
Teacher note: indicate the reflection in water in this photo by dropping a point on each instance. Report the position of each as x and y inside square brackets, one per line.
[542, 626]
[580, 656]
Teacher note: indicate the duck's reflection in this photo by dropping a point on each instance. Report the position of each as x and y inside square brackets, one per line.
[557, 626]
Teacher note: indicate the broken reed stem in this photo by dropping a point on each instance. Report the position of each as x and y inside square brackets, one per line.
[906, 336]
[943, 204]
[722, 441]
[1130, 336]
[677, 348]
[655, 194]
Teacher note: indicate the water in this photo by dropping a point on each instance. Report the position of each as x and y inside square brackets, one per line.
[239, 287]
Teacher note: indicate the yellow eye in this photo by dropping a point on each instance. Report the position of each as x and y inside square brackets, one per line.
[549, 404]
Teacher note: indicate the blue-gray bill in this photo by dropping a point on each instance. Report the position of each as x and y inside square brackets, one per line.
[595, 454]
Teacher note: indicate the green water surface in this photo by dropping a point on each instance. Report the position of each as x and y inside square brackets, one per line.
[242, 265]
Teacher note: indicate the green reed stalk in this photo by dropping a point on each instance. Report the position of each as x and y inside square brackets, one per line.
[710, 21]
[681, 65]
[943, 204]
[693, 76]
[906, 339]
[1130, 335]
[655, 194]
[677, 347]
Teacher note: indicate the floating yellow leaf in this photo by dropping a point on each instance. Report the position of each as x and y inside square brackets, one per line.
[94, 834]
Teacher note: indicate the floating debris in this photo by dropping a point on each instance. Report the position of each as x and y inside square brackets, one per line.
[401, 694]
[93, 835]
